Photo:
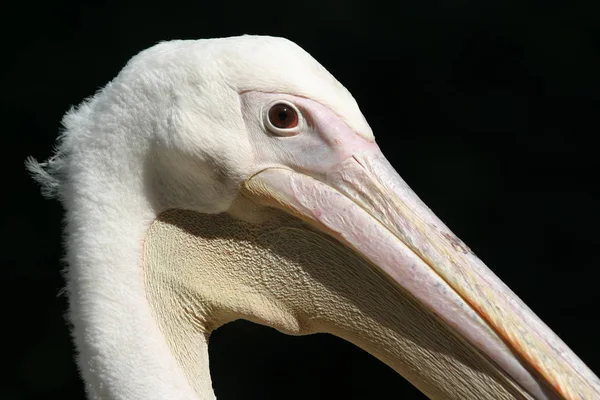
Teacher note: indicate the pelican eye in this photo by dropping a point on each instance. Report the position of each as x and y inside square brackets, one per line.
[283, 118]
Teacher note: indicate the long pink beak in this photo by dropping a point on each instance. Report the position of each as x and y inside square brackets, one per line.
[365, 204]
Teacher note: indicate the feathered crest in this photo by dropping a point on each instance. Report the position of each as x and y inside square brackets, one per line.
[48, 174]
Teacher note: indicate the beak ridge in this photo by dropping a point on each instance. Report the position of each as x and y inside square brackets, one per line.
[365, 204]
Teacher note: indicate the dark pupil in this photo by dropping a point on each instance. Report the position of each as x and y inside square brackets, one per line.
[282, 114]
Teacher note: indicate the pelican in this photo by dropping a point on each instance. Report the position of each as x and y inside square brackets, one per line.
[236, 178]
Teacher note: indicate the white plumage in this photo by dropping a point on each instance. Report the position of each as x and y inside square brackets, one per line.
[183, 127]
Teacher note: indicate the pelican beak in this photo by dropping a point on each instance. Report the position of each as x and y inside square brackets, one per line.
[365, 204]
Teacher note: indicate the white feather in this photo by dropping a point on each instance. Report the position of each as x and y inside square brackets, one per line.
[167, 132]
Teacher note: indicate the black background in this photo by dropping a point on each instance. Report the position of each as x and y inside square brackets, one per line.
[488, 109]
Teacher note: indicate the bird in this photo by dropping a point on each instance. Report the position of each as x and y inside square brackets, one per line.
[235, 178]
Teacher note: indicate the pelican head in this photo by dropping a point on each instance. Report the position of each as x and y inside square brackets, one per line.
[231, 178]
